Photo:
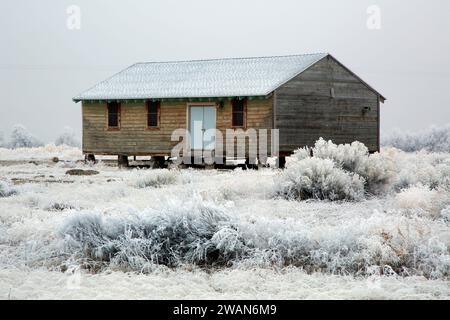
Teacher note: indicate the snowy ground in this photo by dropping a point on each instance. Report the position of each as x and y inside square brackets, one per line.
[394, 246]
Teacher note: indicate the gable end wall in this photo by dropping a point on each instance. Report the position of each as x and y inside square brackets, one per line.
[326, 101]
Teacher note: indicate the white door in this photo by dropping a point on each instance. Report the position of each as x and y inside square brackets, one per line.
[202, 119]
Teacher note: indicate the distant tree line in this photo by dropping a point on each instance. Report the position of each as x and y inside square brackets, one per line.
[435, 139]
[20, 137]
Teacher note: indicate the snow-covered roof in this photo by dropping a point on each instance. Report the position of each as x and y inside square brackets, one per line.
[201, 78]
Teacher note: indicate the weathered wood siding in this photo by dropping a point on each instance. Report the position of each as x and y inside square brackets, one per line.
[326, 101]
[259, 116]
[134, 138]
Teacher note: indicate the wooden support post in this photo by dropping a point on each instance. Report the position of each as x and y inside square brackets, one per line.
[256, 165]
[262, 162]
[281, 162]
[122, 161]
[89, 158]
[159, 161]
[220, 162]
[249, 165]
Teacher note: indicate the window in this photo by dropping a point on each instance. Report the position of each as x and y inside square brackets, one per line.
[113, 114]
[238, 113]
[153, 114]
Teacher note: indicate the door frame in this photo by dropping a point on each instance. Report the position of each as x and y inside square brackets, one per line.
[188, 115]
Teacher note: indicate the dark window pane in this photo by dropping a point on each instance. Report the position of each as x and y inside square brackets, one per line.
[152, 119]
[113, 107]
[238, 106]
[238, 119]
[238, 113]
[113, 114]
[113, 120]
[153, 107]
[152, 113]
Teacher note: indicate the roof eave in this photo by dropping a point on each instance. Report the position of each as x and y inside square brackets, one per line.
[209, 98]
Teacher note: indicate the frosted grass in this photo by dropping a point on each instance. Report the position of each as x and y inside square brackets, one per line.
[289, 283]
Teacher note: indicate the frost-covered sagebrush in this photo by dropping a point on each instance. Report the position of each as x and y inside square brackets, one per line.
[389, 171]
[445, 214]
[376, 169]
[155, 178]
[199, 234]
[205, 234]
[423, 200]
[335, 172]
[6, 189]
[424, 168]
[320, 179]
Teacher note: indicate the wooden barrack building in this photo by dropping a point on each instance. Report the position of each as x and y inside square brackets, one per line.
[305, 97]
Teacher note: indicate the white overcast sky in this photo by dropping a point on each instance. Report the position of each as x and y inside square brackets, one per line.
[43, 64]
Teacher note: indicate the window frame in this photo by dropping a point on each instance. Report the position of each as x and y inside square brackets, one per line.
[158, 114]
[244, 114]
[119, 113]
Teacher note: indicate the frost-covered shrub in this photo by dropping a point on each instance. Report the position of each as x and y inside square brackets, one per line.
[376, 169]
[196, 234]
[59, 206]
[6, 190]
[67, 138]
[319, 179]
[378, 172]
[415, 197]
[348, 248]
[156, 178]
[347, 156]
[435, 139]
[428, 169]
[422, 199]
[204, 234]
[337, 238]
[21, 138]
[445, 214]
[335, 172]
[300, 154]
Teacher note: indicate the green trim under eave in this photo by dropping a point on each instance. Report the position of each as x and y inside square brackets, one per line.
[203, 99]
